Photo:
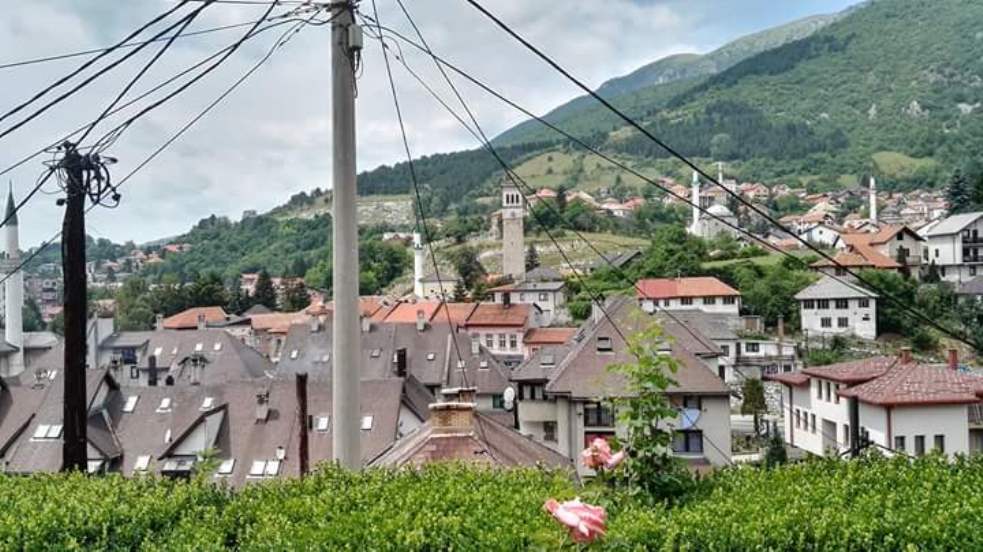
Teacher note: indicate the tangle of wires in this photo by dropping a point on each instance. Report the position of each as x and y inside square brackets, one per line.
[97, 182]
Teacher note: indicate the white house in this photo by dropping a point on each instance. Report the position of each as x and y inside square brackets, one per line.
[954, 246]
[544, 288]
[706, 294]
[901, 406]
[823, 234]
[834, 307]
[562, 391]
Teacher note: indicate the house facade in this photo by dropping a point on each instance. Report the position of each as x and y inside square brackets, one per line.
[955, 246]
[705, 294]
[833, 306]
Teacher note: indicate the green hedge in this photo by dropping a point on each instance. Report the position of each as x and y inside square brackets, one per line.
[873, 504]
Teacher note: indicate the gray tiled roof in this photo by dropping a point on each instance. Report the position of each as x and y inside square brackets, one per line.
[831, 288]
[953, 224]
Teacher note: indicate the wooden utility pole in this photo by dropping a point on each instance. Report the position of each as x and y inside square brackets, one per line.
[304, 452]
[74, 445]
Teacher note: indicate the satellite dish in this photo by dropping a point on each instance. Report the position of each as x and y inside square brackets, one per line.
[508, 397]
[688, 417]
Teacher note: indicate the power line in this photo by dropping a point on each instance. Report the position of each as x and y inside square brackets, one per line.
[70, 55]
[284, 38]
[422, 218]
[924, 318]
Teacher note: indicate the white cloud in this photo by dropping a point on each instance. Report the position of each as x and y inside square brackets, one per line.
[271, 138]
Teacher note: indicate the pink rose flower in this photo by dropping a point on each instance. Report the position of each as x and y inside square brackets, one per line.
[585, 522]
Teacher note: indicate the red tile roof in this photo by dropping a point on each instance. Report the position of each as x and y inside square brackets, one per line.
[493, 314]
[188, 320]
[854, 371]
[549, 336]
[665, 288]
[459, 313]
[406, 312]
[919, 384]
[859, 255]
[795, 379]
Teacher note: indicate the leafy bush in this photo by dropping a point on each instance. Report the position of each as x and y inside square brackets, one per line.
[873, 503]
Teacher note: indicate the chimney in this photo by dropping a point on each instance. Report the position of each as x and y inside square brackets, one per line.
[366, 324]
[195, 369]
[315, 324]
[452, 417]
[401, 362]
[201, 321]
[421, 320]
[262, 407]
[152, 371]
[953, 359]
[159, 321]
[905, 355]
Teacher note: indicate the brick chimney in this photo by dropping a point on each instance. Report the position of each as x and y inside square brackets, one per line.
[953, 359]
[158, 321]
[201, 321]
[905, 356]
[454, 416]
[421, 320]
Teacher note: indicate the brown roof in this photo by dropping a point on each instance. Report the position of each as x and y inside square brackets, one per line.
[919, 384]
[493, 314]
[854, 371]
[584, 371]
[795, 379]
[277, 322]
[665, 288]
[483, 441]
[549, 336]
[407, 312]
[859, 256]
[458, 312]
[188, 320]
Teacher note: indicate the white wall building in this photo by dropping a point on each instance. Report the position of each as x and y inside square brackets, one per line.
[705, 294]
[834, 307]
[955, 247]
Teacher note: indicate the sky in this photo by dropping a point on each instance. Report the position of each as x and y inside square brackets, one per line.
[270, 138]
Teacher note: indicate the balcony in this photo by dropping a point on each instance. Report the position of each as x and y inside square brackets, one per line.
[976, 240]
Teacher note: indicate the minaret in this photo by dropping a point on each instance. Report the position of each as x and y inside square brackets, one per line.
[873, 200]
[14, 290]
[513, 240]
[418, 266]
[695, 228]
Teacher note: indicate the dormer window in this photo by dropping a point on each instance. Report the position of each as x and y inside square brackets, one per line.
[208, 403]
[293, 354]
[321, 423]
[431, 356]
[158, 351]
[375, 353]
[604, 345]
[226, 467]
[165, 405]
[217, 347]
[549, 360]
[47, 432]
[264, 468]
[167, 436]
[367, 423]
[131, 403]
[142, 463]
[483, 364]
[199, 347]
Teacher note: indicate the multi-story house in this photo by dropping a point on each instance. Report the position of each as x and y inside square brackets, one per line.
[500, 328]
[897, 404]
[545, 289]
[706, 294]
[562, 391]
[894, 247]
[955, 246]
[833, 306]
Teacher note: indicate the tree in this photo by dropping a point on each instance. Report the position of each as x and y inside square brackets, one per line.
[754, 401]
[31, 320]
[207, 290]
[57, 324]
[295, 297]
[265, 293]
[532, 258]
[958, 194]
[650, 467]
[238, 299]
[673, 253]
[561, 198]
[468, 266]
[460, 292]
[776, 455]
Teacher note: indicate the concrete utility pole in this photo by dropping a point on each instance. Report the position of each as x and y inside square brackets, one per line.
[74, 453]
[304, 452]
[345, 48]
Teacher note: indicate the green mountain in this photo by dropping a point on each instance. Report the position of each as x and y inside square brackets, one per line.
[893, 87]
[671, 69]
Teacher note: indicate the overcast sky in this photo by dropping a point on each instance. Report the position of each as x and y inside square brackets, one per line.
[271, 137]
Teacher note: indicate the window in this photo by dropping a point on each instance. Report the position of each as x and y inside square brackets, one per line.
[264, 468]
[822, 303]
[864, 303]
[158, 351]
[513, 342]
[131, 403]
[725, 349]
[836, 393]
[498, 402]
[846, 434]
[826, 322]
[489, 341]
[321, 423]
[483, 365]
[942, 270]
[367, 423]
[46, 431]
[544, 296]
[227, 466]
[840, 271]
[374, 353]
[142, 463]
[798, 418]
[692, 401]
[665, 302]
[604, 344]
[134, 372]
[199, 347]
[972, 271]
[709, 300]
[940, 443]
[501, 341]
[547, 360]
[919, 445]
[899, 443]
[819, 389]
[812, 423]
[598, 415]
[722, 372]
[128, 355]
[842, 304]
[808, 304]
[936, 252]
[829, 393]
[431, 356]
[165, 405]
[217, 347]
[842, 322]
[752, 347]
[549, 432]
[207, 403]
[167, 436]
[729, 300]
[687, 442]
[685, 300]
